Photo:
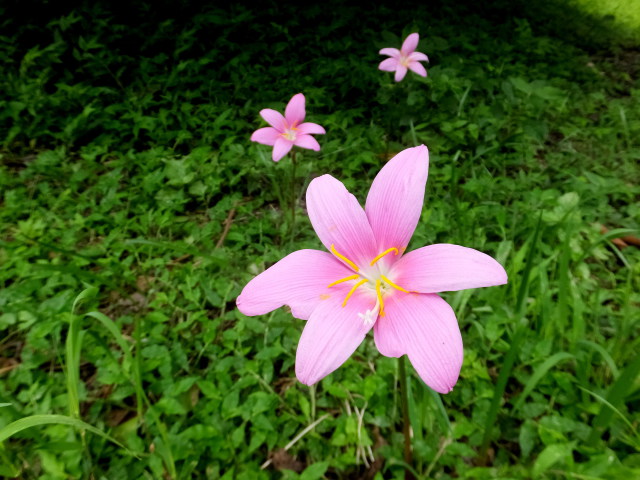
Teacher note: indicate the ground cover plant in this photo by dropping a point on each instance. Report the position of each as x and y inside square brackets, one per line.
[134, 208]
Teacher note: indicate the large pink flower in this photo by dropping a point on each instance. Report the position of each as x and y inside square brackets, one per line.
[287, 131]
[367, 281]
[405, 58]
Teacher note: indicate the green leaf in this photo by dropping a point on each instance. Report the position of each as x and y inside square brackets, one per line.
[550, 456]
[314, 471]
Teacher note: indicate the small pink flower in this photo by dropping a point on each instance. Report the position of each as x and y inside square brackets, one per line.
[287, 131]
[367, 282]
[405, 58]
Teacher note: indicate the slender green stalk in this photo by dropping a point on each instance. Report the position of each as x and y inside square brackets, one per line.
[312, 395]
[406, 423]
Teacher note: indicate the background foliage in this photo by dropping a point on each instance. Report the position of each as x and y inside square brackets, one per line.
[126, 173]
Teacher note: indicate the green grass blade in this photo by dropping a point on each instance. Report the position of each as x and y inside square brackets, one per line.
[615, 233]
[37, 420]
[72, 363]
[90, 292]
[524, 284]
[501, 385]
[414, 137]
[443, 417]
[56, 248]
[115, 332]
[516, 340]
[615, 398]
[611, 408]
[135, 377]
[564, 288]
[463, 99]
[540, 372]
[604, 354]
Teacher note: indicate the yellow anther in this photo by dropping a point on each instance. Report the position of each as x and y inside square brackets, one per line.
[397, 287]
[380, 298]
[346, 279]
[343, 258]
[383, 254]
[353, 289]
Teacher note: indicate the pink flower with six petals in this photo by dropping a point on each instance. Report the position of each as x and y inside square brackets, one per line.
[368, 282]
[405, 58]
[287, 131]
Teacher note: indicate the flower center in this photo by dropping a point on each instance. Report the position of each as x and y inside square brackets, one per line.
[373, 279]
[290, 133]
[404, 61]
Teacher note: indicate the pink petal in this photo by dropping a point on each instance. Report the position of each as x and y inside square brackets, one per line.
[307, 141]
[299, 280]
[295, 112]
[388, 335]
[331, 335]
[388, 65]
[425, 328]
[401, 71]
[308, 127]
[266, 136]
[418, 57]
[418, 68]
[338, 219]
[394, 202]
[392, 52]
[410, 43]
[273, 118]
[281, 147]
[445, 268]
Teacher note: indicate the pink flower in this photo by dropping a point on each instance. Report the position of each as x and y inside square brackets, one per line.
[406, 57]
[367, 282]
[287, 131]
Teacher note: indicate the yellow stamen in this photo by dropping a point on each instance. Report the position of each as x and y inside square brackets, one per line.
[383, 254]
[353, 289]
[397, 287]
[343, 258]
[346, 279]
[380, 298]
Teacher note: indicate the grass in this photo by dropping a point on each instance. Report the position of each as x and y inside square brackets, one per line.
[134, 208]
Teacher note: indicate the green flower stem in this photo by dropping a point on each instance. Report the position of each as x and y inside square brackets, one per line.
[312, 394]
